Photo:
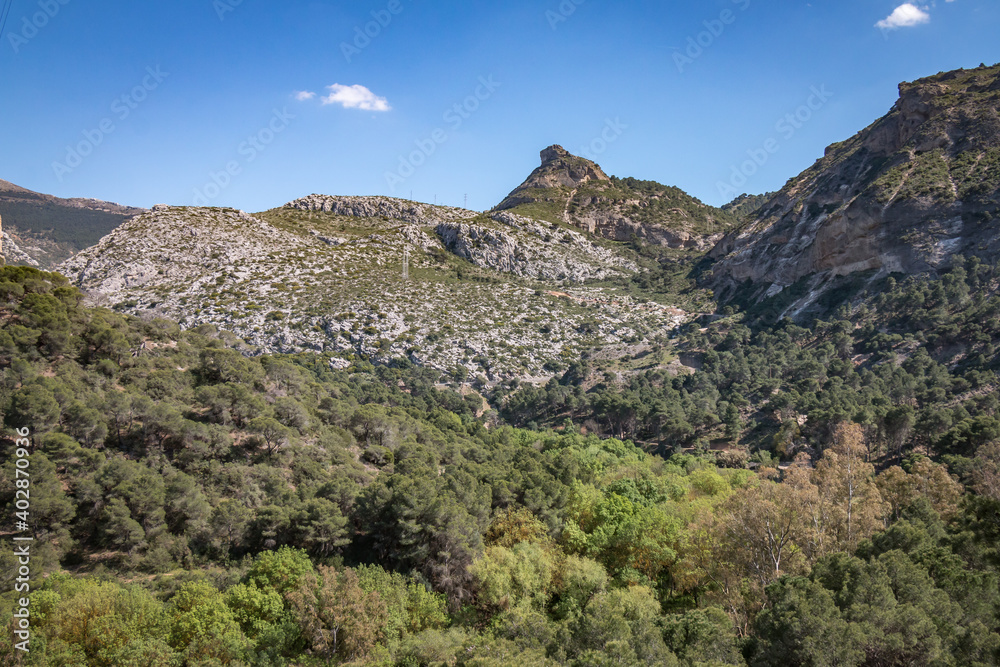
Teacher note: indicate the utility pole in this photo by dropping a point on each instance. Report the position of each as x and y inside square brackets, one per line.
[406, 263]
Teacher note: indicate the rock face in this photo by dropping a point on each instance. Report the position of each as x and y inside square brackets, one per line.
[559, 169]
[575, 191]
[45, 230]
[531, 249]
[909, 193]
[12, 253]
[380, 207]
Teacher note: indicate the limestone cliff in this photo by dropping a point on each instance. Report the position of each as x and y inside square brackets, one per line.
[386, 208]
[513, 244]
[909, 193]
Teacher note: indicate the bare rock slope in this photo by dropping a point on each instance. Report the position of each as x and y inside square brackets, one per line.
[908, 194]
[501, 295]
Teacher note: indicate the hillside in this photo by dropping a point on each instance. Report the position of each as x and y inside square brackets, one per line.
[448, 437]
[906, 195]
[575, 191]
[190, 505]
[746, 205]
[497, 295]
[42, 230]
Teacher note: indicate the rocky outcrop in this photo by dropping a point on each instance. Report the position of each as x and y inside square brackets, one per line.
[612, 223]
[380, 207]
[559, 169]
[575, 191]
[176, 248]
[530, 249]
[917, 188]
[12, 253]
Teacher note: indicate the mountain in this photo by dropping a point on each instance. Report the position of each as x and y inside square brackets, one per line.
[573, 190]
[42, 230]
[907, 195]
[541, 281]
[497, 294]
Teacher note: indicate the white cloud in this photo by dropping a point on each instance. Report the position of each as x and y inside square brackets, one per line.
[356, 97]
[304, 95]
[906, 15]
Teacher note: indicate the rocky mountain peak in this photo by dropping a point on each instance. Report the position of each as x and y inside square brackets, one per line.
[573, 190]
[553, 153]
[561, 167]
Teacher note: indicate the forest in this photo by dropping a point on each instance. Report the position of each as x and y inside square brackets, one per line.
[821, 495]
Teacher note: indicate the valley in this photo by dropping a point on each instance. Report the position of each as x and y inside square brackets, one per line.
[600, 423]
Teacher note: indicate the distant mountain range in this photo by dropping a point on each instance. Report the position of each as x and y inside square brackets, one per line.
[42, 230]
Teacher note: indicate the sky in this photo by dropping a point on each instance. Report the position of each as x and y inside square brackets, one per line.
[252, 104]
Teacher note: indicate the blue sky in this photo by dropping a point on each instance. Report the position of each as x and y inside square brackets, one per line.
[196, 101]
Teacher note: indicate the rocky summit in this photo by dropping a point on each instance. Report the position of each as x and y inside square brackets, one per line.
[575, 191]
[908, 194]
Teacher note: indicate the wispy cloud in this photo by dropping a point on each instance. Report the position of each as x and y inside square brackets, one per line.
[304, 95]
[906, 15]
[356, 97]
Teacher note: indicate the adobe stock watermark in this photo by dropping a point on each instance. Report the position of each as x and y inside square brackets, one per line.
[613, 130]
[454, 117]
[223, 7]
[249, 149]
[562, 13]
[22, 540]
[364, 35]
[714, 29]
[121, 108]
[786, 127]
[30, 27]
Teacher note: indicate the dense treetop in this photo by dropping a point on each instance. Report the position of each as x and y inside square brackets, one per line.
[194, 506]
